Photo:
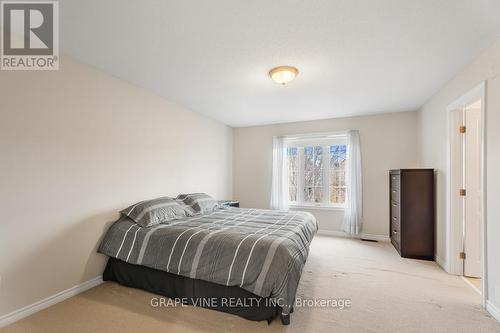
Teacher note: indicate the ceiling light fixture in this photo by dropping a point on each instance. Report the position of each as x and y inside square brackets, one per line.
[283, 74]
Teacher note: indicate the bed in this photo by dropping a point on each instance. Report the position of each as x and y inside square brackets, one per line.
[250, 254]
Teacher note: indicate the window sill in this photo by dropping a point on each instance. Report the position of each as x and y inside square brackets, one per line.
[318, 207]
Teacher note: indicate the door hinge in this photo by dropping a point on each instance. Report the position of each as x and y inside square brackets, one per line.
[462, 255]
[463, 192]
[462, 129]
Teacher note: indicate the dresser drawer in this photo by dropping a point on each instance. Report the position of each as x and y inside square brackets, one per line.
[395, 209]
[396, 232]
[395, 181]
[396, 245]
[395, 195]
[395, 224]
[395, 221]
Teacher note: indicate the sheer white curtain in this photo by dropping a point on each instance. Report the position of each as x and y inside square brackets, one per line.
[353, 214]
[279, 189]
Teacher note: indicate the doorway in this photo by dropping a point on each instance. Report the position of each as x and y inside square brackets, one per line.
[466, 188]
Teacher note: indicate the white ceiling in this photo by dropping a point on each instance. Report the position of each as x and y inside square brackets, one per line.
[354, 56]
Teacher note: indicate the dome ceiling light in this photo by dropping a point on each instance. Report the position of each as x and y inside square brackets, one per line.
[283, 74]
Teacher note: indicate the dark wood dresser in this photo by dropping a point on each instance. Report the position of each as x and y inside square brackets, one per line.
[412, 212]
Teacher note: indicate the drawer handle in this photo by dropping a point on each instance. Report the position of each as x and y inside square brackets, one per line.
[395, 232]
[394, 218]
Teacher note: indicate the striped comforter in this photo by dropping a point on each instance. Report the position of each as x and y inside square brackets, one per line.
[261, 251]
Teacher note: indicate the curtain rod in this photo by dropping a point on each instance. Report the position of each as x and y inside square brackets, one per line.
[315, 135]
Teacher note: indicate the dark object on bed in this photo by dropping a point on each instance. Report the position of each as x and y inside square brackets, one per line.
[230, 203]
[175, 286]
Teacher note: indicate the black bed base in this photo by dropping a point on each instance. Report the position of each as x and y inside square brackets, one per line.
[180, 287]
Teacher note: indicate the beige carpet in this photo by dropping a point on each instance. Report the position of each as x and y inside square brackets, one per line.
[388, 294]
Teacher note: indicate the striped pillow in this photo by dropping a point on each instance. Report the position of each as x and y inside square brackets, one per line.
[151, 212]
[201, 203]
[189, 211]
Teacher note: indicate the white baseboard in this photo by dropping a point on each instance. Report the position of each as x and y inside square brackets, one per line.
[442, 263]
[51, 300]
[338, 233]
[476, 289]
[493, 310]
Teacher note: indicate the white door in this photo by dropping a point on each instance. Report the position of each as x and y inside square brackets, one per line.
[472, 221]
[457, 178]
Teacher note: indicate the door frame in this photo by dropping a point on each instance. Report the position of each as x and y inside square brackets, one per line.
[454, 235]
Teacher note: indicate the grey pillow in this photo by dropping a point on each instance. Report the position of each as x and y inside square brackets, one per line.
[201, 203]
[151, 212]
[188, 210]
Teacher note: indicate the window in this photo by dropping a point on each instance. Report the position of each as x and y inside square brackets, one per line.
[293, 163]
[337, 174]
[316, 170]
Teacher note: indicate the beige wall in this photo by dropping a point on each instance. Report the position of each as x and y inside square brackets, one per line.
[432, 132]
[387, 141]
[76, 146]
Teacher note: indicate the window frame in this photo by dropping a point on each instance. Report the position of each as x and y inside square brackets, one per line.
[325, 140]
